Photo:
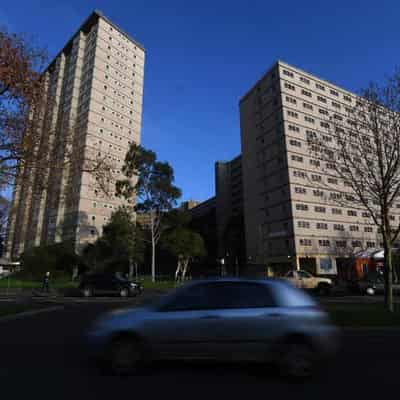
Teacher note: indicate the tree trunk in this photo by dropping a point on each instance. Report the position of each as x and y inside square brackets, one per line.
[130, 274]
[153, 249]
[178, 270]
[153, 260]
[185, 269]
[388, 269]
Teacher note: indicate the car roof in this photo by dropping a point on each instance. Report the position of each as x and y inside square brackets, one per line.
[235, 279]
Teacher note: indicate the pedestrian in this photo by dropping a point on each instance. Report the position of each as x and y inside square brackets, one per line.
[46, 279]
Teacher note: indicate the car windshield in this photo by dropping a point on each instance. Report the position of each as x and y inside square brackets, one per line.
[304, 274]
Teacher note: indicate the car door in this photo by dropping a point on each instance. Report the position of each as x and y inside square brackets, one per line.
[306, 280]
[291, 276]
[244, 321]
[180, 327]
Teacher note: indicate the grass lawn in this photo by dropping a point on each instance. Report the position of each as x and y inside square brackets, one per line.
[161, 285]
[19, 282]
[363, 315]
[10, 309]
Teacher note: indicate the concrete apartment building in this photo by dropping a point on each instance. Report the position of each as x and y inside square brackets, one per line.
[96, 81]
[291, 217]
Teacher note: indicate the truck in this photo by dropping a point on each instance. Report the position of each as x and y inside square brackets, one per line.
[304, 280]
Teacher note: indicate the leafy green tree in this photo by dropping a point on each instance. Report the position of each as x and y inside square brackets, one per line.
[149, 184]
[185, 245]
[120, 246]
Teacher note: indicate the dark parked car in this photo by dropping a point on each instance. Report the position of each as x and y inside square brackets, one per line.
[219, 319]
[375, 285]
[107, 283]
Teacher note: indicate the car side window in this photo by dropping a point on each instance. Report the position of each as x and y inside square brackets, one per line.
[303, 274]
[188, 299]
[223, 295]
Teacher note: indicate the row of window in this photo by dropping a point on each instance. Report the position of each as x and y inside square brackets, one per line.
[123, 38]
[337, 243]
[336, 211]
[308, 119]
[336, 227]
[318, 85]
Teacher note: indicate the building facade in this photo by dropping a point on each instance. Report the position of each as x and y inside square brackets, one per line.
[96, 88]
[229, 201]
[292, 218]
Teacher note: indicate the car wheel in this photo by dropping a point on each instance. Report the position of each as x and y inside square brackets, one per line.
[124, 292]
[370, 291]
[324, 289]
[87, 291]
[125, 356]
[297, 360]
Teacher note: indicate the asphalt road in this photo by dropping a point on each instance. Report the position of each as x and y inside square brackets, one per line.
[41, 358]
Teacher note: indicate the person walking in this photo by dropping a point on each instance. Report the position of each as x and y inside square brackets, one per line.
[46, 280]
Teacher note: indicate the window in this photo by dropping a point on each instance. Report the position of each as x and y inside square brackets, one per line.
[354, 228]
[311, 135]
[323, 112]
[368, 229]
[294, 142]
[333, 181]
[334, 92]
[365, 214]
[305, 80]
[341, 243]
[309, 119]
[303, 224]
[294, 128]
[300, 174]
[347, 98]
[221, 295]
[322, 225]
[324, 124]
[324, 243]
[289, 86]
[338, 227]
[318, 193]
[305, 242]
[371, 244]
[307, 106]
[321, 99]
[338, 117]
[306, 93]
[292, 114]
[302, 207]
[319, 86]
[335, 196]
[315, 163]
[319, 209]
[291, 100]
[297, 158]
[336, 105]
[316, 178]
[300, 190]
[356, 243]
[288, 73]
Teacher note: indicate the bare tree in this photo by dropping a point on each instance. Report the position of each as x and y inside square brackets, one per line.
[33, 142]
[362, 153]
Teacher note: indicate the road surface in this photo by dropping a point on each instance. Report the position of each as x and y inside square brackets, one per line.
[41, 358]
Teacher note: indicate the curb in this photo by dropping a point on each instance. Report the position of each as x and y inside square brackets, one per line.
[30, 313]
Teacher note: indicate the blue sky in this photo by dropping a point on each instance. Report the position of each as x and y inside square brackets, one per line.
[203, 56]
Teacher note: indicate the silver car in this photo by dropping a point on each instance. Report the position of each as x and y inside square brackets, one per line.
[222, 319]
